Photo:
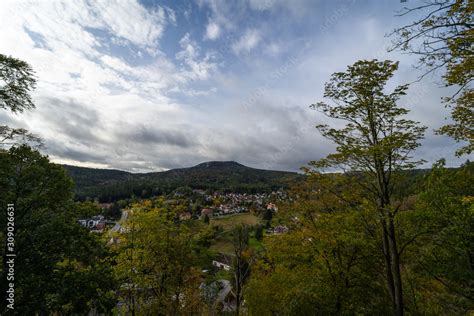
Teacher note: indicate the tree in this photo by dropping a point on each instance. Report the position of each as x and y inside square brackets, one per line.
[242, 261]
[54, 255]
[17, 81]
[326, 264]
[442, 261]
[10, 136]
[206, 219]
[259, 232]
[113, 212]
[267, 215]
[375, 145]
[443, 39]
[86, 209]
[155, 262]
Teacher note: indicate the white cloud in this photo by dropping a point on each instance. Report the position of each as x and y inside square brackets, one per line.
[212, 31]
[247, 42]
[130, 20]
[273, 49]
[171, 15]
[224, 13]
[197, 67]
[261, 5]
[64, 43]
[141, 109]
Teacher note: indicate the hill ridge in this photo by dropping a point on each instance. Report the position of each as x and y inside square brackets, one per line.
[112, 184]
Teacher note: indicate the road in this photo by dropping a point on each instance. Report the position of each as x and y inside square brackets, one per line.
[117, 225]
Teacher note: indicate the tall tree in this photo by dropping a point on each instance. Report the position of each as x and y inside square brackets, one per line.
[442, 36]
[443, 259]
[54, 255]
[375, 143]
[155, 262]
[326, 264]
[241, 262]
[17, 81]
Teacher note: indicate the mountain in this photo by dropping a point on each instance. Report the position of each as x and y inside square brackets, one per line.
[109, 185]
[220, 165]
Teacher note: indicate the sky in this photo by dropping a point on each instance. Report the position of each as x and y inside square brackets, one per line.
[154, 85]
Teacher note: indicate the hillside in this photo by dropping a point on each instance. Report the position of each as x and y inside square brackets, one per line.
[109, 185]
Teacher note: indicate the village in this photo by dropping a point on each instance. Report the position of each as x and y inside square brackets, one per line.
[213, 205]
[217, 208]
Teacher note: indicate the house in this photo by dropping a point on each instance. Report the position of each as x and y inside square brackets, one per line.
[95, 223]
[105, 206]
[223, 262]
[91, 222]
[99, 228]
[113, 241]
[272, 207]
[280, 229]
[185, 216]
[206, 211]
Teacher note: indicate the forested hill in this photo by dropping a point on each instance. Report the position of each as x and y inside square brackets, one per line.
[109, 185]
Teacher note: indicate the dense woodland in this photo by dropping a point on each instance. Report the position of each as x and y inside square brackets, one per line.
[376, 237]
[113, 185]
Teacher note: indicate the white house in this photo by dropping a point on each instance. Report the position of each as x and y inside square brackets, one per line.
[223, 262]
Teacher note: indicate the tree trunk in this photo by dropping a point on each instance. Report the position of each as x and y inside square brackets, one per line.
[238, 288]
[388, 264]
[397, 278]
[390, 249]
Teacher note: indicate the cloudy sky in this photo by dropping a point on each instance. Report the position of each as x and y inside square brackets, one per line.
[153, 85]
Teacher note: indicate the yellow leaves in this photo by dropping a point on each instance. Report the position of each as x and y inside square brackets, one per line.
[468, 200]
[157, 253]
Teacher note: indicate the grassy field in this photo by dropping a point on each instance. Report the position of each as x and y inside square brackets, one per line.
[228, 222]
[223, 243]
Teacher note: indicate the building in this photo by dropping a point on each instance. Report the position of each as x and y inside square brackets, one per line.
[206, 211]
[92, 222]
[96, 223]
[280, 229]
[223, 262]
[272, 207]
[185, 216]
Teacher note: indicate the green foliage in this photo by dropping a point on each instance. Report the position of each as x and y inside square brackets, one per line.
[17, 81]
[10, 136]
[156, 262]
[267, 215]
[442, 37]
[375, 129]
[186, 191]
[462, 110]
[114, 212]
[54, 255]
[86, 209]
[330, 261]
[326, 264]
[259, 232]
[442, 265]
[110, 185]
[228, 223]
[373, 147]
[243, 258]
